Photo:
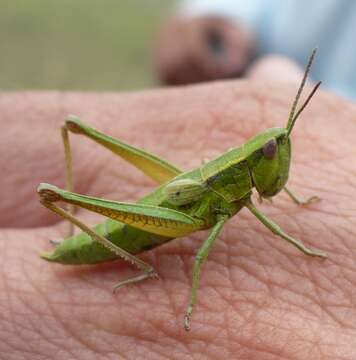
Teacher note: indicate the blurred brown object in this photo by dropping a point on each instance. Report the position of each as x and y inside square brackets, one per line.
[204, 48]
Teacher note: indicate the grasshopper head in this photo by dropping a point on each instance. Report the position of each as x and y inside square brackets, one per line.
[270, 170]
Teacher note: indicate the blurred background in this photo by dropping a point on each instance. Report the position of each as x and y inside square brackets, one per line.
[78, 44]
[136, 44]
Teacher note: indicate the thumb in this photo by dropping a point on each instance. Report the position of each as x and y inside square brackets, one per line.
[275, 68]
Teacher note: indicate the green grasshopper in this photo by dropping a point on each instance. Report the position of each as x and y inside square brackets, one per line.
[185, 202]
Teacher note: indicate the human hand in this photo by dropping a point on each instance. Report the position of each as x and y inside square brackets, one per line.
[202, 48]
[259, 297]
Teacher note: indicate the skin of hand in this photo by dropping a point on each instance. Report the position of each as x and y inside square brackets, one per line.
[203, 48]
[259, 298]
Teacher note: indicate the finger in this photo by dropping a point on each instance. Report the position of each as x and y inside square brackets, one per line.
[38, 156]
[276, 68]
[32, 151]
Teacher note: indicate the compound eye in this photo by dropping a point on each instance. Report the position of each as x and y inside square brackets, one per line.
[270, 149]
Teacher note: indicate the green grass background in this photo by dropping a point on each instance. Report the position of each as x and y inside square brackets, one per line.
[78, 44]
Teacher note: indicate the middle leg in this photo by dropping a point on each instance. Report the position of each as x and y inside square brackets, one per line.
[199, 259]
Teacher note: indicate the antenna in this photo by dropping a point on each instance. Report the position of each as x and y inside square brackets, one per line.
[292, 118]
[315, 88]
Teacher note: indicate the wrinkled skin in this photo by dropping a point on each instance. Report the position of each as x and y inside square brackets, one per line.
[259, 297]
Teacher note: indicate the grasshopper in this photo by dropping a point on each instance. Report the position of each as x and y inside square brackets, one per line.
[185, 202]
